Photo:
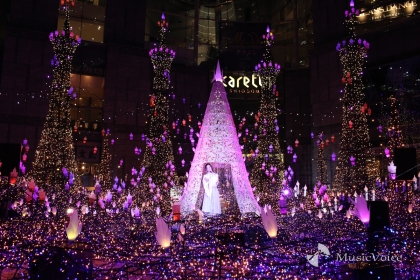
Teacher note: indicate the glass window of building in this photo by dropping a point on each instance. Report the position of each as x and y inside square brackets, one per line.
[86, 111]
[233, 28]
[87, 20]
[86, 115]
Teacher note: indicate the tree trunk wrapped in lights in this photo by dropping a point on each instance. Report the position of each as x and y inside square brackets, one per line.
[105, 165]
[321, 166]
[55, 155]
[267, 173]
[159, 174]
[393, 130]
[356, 166]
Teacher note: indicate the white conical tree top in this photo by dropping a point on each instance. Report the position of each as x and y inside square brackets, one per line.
[218, 143]
[218, 74]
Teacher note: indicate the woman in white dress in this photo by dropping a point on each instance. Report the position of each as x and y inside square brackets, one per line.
[211, 202]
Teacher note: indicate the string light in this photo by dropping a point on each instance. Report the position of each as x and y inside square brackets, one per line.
[158, 162]
[395, 138]
[354, 144]
[321, 166]
[113, 242]
[55, 149]
[396, 109]
[105, 164]
[117, 243]
[267, 184]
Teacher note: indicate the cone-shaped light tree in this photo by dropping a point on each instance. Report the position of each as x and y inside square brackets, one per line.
[55, 152]
[105, 164]
[159, 173]
[393, 132]
[267, 172]
[321, 166]
[218, 145]
[356, 166]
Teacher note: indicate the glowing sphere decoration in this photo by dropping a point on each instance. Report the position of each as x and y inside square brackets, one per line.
[352, 160]
[386, 151]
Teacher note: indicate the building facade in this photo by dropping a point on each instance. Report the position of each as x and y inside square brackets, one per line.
[112, 71]
[111, 75]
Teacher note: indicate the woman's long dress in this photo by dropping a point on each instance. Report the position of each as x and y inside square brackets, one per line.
[211, 203]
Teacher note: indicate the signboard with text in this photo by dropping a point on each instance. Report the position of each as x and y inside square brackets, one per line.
[86, 154]
[393, 10]
[246, 84]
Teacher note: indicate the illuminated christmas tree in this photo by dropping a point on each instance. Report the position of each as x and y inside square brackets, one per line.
[55, 155]
[393, 131]
[355, 167]
[159, 173]
[267, 172]
[218, 145]
[398, 111]
[321, 166]
[105, 165]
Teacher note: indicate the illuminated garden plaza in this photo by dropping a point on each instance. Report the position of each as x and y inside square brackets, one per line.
[355, 167]
[55, 150]
[267, 173]
[215, 202]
